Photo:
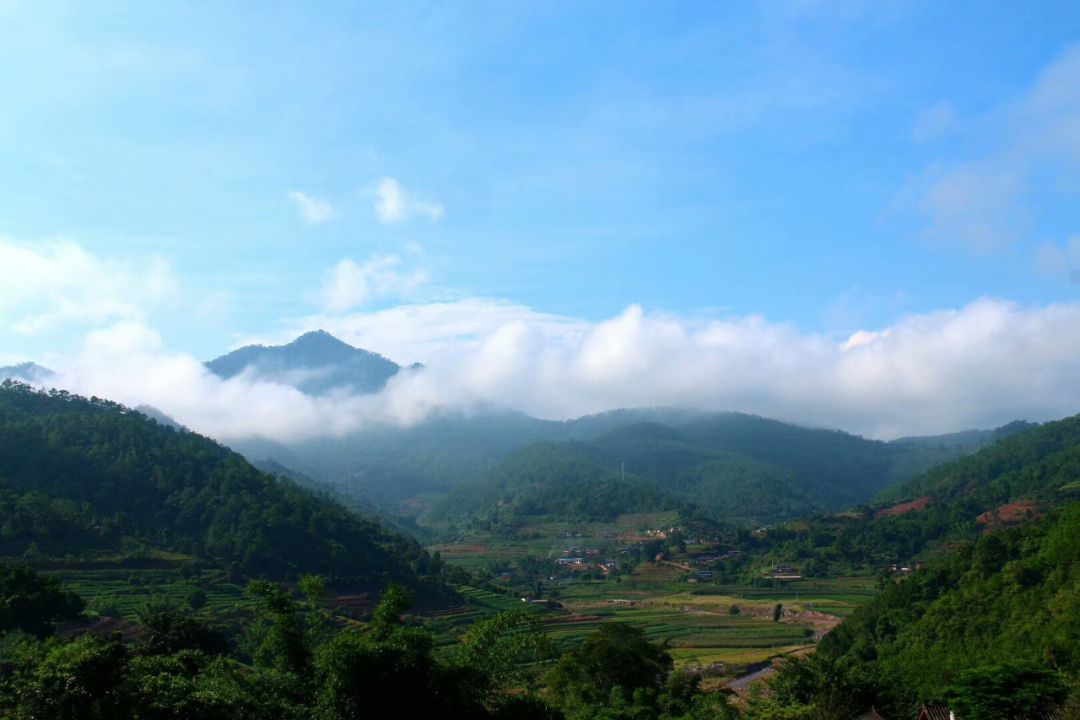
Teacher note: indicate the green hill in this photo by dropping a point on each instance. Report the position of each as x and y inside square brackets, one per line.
[554, 479]
[1016, 479]
[1012, 598]
[729, 467]
[86, 478]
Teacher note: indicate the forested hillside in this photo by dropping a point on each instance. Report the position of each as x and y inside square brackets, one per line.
[393, 466]
[1011, 596]
[554, 479]
[1012, 481]
[86, 477]
[992, 629]
[723, 466]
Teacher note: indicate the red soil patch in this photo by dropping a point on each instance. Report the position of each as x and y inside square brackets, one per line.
[1013, 512]
[904, 507]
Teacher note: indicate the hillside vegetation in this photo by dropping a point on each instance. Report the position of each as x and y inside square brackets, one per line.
[89, 478]
[725, 466]
[801, 468]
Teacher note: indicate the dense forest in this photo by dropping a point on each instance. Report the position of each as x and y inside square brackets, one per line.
[723, 467]
[992, 629]
[391, 466]
[86, 477]
[1013, 480]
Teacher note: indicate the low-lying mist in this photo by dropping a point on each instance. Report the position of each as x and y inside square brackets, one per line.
[979, 366]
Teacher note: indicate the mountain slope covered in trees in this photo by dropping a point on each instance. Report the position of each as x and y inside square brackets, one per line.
[685, 451]
[724, 466]
[87, 477]
[1015, 480]
[1010, 596]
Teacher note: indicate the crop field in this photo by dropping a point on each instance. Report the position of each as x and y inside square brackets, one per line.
[129, 591]
[721, 629]
[549, 540]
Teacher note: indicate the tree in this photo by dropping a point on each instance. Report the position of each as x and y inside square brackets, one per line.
[34, 603]
[78, 680]
[997, 692]
[171, 632]
[283, 643]
[616, 657]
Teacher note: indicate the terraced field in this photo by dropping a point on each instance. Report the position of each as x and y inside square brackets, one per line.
[722, 629]
[130, 591]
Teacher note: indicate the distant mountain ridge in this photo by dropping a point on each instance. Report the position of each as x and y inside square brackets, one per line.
[27, 372]
[314, 363]
[727, 466]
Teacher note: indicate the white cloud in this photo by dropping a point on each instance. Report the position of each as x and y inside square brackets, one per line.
[933, 122]
[48, 285]
[985, 202]
[977, 366]
[393, 204]
[312, 210]
[350, 284]
[429, 331]
[1063, 259]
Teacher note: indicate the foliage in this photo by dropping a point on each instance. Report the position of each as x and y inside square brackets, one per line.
[78, 475]
[32, 603]
[615, 661]
[970, 628]
[1005, 691]
[306, 668]
[724, 466]
[1031, 464]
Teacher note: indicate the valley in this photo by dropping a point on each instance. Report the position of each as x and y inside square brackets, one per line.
[738, 589]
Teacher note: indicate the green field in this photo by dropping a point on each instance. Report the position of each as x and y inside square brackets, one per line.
[130, 591]
[720, 629]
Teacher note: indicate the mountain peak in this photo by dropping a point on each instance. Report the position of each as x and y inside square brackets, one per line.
[316, 362]
[27, 371]
[319, 337]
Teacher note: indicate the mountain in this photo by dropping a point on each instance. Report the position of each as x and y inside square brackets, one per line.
[26, 372]
[1019, 478]
[724, 466]
[990, 629]
[559, 480]
[89, 478]
[315, 363]
[687, 451]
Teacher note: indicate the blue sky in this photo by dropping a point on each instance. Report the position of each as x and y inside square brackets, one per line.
[832, 167]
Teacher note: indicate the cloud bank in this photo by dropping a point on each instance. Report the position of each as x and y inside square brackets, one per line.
[349, 284]
[980, 365]
[50, 285]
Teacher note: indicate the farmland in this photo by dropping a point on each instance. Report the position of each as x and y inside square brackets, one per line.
[721, 630]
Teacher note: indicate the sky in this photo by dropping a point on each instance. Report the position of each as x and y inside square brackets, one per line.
[855, 214]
